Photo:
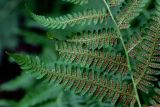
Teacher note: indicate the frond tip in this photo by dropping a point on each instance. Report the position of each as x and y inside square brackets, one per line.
[81, 81]
[87, 17]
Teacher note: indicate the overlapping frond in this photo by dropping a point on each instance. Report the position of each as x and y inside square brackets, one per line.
[129, 12]
[102, 61]
[86, 17]
[147, 56]
[96, 39]
[81, 81]
[80, 2]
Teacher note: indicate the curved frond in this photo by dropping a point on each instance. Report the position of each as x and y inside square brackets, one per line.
[101, 61]
[129, 12]
[147, 56]
[96, 39]
[81, 81]
[87, 17]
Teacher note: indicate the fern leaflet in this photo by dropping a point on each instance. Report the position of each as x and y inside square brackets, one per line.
[96, 39]
[131, 10]
[81, 18]
[148, 60]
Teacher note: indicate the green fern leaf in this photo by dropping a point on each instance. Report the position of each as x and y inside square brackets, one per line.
[147, 56]
[81, 81]
[96, 39]
[39, 94]
[88, 17]
[131, 10]
[102, 61]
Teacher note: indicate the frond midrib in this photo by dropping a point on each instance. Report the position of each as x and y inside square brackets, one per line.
[81, 18]
[93, 38]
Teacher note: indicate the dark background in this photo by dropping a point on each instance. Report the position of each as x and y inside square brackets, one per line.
[13, 19]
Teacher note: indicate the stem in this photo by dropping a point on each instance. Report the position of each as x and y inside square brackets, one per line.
[127, 56]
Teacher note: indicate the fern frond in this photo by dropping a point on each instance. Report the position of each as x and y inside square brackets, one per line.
[102, 61]
[86, 17]
[80, 2]
[39, 94]
[129, 12]
[23, 81]
[96, 39]
[147, 56]
[81, 81]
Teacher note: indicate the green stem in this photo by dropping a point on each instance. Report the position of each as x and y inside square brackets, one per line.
[127, 56]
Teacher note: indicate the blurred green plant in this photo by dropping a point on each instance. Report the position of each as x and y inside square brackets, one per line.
[8, 24]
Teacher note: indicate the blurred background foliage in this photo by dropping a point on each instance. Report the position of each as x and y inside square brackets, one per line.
[20, 33]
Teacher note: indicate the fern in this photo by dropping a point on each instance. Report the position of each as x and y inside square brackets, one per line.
[23, 81]
[88, 63]
[81, 18]
[101, 61]
[131, 10]
[96, 39]
[74, 78]
[147, 63]
[39, 94]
